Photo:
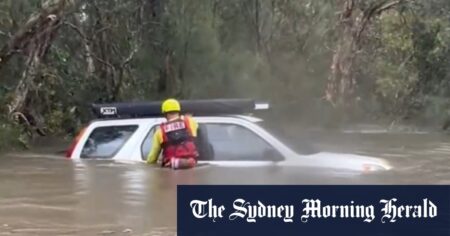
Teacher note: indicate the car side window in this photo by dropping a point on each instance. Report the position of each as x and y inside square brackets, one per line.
[234, 142]
[147, 144]
[105, 142]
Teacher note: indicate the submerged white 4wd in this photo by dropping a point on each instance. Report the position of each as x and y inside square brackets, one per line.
[234, 140]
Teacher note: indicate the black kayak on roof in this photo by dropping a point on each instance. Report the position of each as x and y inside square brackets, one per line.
[195, 107]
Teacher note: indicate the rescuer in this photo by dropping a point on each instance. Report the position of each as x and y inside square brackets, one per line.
[176, 138]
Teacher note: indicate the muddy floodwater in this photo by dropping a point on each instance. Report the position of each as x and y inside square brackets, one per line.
[54, 196]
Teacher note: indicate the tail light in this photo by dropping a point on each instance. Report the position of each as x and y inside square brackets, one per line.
[74, 143]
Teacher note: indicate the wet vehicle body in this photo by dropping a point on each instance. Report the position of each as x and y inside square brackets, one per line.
[226, 140]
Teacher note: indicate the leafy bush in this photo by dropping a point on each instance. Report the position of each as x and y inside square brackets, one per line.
[12, 137]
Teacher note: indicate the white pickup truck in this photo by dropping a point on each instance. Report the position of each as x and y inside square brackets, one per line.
[230, 140]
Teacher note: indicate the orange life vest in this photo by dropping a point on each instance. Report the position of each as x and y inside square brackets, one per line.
[178, 140]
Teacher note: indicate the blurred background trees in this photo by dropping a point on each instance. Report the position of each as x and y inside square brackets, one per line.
[318, 61]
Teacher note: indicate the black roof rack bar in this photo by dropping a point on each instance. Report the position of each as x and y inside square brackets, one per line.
[196, 107]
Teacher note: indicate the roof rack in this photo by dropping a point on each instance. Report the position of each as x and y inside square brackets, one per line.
[195, 107]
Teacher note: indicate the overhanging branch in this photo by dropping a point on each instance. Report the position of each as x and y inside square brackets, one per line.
[375, 9]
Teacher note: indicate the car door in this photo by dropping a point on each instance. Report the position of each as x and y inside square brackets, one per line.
[235, 144]
[232, 144]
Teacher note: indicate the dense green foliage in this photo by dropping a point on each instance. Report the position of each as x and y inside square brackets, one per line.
[395, 64]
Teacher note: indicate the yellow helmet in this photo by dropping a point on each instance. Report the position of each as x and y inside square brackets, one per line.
[170, 105]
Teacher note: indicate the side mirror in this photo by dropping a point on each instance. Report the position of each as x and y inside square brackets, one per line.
[271, 154]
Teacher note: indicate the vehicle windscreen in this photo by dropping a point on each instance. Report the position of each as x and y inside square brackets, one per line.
[105, 142]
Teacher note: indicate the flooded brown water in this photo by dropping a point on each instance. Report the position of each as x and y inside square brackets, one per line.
[55, 196]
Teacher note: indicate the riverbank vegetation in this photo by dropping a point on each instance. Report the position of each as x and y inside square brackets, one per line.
[322, 62]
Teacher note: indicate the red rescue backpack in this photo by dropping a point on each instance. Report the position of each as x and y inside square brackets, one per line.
[178, 140]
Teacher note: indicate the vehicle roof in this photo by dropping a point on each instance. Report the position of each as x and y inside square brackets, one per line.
[138, 120]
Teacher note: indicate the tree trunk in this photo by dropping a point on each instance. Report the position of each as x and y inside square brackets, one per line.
[51, 11]
[32, 41]
[340, 84]
[353, 21]
[88, 51]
